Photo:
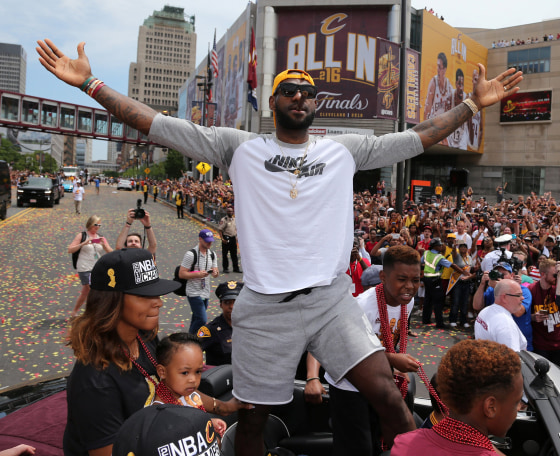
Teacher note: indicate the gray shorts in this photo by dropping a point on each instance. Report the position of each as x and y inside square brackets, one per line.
[85, 277]
[269, 338]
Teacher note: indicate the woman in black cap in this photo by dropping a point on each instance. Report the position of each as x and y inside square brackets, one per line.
[114, 344]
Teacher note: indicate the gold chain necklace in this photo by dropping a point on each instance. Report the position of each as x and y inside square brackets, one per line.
[296, 172]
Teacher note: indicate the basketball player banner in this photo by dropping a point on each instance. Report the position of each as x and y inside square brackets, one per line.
[388, 75]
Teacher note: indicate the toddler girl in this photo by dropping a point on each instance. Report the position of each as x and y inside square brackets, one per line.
[179, 367]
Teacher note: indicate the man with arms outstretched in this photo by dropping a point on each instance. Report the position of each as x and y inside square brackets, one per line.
[295, 295]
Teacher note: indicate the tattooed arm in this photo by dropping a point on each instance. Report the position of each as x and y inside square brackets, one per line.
[76, 72]
[486, 94]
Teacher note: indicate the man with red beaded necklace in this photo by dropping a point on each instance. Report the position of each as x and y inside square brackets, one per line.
[387, 307]
[480, 382]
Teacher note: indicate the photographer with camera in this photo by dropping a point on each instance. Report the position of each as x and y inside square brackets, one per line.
[501, 253]
[134, 240]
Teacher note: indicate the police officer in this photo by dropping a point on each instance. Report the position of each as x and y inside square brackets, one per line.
[433, 262]
[215, 336]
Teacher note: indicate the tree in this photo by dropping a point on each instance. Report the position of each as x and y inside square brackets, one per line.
[174, 164]
[10, 153]
[49, 163]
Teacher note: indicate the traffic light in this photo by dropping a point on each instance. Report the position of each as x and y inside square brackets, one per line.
[459, 178]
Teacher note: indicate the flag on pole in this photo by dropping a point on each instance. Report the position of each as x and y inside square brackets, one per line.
[252, 74]
[209, 74]
[214, 58]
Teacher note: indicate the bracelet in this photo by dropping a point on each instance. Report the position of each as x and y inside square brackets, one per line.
[86, 82]
[472, 105]
[129, 224]
[214, 399]
[148, 227]
[311, 378]
[97, 89]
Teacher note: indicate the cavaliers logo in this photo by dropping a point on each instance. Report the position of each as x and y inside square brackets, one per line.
[210, 432]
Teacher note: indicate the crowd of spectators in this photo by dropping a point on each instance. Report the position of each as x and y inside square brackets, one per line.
[527, 227]
[532, 220]
[216, 193]
[520, 42]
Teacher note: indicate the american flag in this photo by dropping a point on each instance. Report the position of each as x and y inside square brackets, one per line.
[214, 57]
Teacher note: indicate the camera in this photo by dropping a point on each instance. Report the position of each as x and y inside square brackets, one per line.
[515, 263]
[139, 213]
[494, 274]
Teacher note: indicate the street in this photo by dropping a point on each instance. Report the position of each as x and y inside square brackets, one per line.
[39, 286]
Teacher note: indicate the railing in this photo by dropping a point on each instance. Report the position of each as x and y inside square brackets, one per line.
[33, 113]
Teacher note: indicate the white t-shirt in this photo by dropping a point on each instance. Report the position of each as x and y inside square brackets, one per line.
[460, 137]
[79, 193]
[497, 324]
[368, 302]
[279, 236]
[464, 237]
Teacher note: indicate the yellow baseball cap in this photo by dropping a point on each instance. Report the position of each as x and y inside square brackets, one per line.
[291, 74]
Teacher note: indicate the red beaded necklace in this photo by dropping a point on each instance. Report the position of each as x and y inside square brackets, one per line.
[161, 389]
[458, 432]
[403, 340]
[387, 334]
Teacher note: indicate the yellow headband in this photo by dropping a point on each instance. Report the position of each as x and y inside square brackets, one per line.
[291, 74]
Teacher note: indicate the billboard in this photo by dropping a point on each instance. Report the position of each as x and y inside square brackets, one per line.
[412, 94]
[448, 75]
[339, 48]
[388, 75]
[234, 80]
[527, 107]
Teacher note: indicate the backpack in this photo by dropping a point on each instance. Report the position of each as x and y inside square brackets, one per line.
[182, 290]
[76, 254]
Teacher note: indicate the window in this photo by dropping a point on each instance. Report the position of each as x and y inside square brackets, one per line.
[524, 180]
[530, 60]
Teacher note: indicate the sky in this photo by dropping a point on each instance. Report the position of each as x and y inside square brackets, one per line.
[110, 30]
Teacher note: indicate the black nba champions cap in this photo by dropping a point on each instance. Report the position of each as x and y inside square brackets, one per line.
[132, 271]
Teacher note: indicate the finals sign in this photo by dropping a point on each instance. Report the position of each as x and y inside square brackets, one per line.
[339, 48]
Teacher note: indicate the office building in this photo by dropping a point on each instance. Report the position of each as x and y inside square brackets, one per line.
[13, 67]
[166, 57]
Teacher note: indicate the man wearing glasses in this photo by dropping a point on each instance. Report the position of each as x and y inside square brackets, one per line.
[496, 322]
[296, 292]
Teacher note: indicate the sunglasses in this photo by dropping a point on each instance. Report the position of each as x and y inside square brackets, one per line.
[289, 89]
[97, 224]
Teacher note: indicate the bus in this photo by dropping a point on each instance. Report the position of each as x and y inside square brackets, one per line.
[71, 172]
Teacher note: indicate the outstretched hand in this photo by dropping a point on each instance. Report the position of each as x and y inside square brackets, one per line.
[489, 92]
[73, 72]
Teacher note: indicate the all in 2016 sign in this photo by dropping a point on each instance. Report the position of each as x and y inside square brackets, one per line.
[355, 72]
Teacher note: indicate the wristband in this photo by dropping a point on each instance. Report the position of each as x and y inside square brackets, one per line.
[472, 105]
[148, 227]
[86, 82]
[129, 224]
[311, 378]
